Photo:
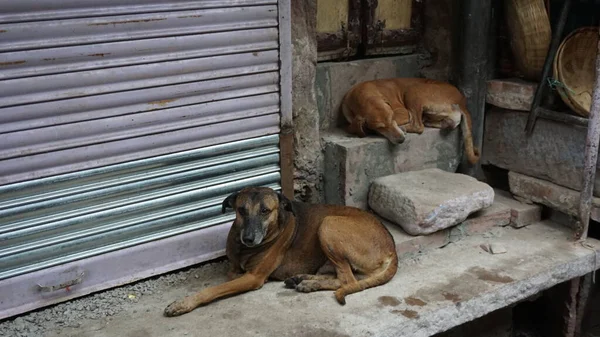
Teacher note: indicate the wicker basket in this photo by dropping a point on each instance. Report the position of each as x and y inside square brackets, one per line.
[530, 34]
[575, 69]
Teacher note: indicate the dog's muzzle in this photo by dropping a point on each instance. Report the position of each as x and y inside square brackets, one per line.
[252, 235]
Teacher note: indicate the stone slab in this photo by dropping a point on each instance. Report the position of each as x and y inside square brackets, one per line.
[334, 79]
[514, 94]
[546, 193]
[434, 293]
[554, 151]
[352, 163]
[429, 200]
[522, 214]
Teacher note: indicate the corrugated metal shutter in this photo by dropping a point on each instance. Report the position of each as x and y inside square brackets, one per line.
[84, 92]
[124, 123]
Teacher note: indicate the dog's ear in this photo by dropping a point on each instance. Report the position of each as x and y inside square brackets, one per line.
[228, 202]
[285, 203]
[357, 127]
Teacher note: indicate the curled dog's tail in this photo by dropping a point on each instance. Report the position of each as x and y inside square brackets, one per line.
[471, 152]
[386, 273]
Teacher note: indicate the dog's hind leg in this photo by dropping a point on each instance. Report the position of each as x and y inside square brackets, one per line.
[360, 244]
[441, 116]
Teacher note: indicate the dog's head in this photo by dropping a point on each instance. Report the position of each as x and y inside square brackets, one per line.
[259, 211]
[390, 130]
[380, 118]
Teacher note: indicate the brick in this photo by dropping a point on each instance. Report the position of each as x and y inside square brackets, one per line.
[511, 94]
[522, 214]
[497, 215]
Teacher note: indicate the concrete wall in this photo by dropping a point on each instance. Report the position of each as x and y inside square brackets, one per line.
[319, 88]
[308, 160]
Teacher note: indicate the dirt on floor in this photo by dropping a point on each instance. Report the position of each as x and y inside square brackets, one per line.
[99, 309]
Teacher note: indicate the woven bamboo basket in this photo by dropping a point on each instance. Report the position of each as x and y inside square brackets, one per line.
[560, 86]
[530, 34]
[574, 67]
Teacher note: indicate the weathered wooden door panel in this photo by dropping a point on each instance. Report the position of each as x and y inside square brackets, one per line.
[338, 29]
[391, 26]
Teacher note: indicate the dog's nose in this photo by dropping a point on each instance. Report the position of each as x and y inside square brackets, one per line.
[247, 238]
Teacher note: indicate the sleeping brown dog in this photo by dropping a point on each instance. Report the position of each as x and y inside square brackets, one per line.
[274, 238]
[392, 107]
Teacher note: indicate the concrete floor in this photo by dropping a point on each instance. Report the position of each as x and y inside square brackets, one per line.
[429, 294]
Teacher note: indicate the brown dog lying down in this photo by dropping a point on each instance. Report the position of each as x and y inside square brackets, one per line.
[274, 238]
[392, 107]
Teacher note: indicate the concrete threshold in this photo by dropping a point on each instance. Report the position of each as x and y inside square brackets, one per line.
[431, 293]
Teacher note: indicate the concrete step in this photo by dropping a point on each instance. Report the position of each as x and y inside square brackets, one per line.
[352, 163]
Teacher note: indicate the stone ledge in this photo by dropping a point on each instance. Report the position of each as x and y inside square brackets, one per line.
[352, 163]
[430, 294]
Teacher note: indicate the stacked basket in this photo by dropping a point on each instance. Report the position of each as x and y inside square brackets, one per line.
[574, 69]
[530, 34]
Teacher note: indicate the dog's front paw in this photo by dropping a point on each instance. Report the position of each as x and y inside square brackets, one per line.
[179, 307]
[306, 287]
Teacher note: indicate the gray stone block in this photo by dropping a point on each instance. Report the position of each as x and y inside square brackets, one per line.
[546, 193]
[554, 152]
[426, 201]
[352, 163]
[334, 79]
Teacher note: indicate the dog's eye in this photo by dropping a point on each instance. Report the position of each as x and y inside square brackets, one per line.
[264, 210]
[241, 210]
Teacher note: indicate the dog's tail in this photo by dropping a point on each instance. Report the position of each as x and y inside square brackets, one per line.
[471, 151]
[385, 274]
